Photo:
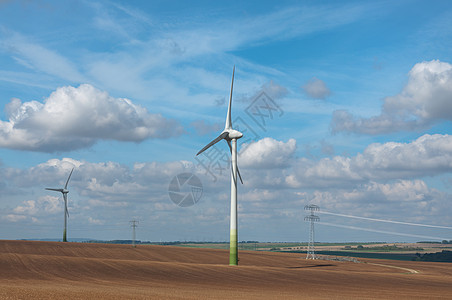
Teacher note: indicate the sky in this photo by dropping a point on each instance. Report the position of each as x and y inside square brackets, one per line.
[343, 104]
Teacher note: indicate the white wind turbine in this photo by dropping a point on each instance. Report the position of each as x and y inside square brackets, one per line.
[64, 191]
[231, 136]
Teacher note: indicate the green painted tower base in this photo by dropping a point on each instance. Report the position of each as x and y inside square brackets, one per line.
[233, 253]
[64, 236]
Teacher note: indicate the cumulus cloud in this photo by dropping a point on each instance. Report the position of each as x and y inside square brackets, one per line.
[267, 153]
[404, 190]
[95, 221]
[111, 186]
[382, 177]
[259, 195]
[14, 218]
[73, 118]
[267, 162]
[429, 155]
[374, 192]
[104, 181]
[374, 197]
[45, 205]
[316, 88]
[425, 100]
[107, 192]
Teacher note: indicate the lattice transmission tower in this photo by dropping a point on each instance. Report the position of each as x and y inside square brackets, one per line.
[134, 225]
[312, 219]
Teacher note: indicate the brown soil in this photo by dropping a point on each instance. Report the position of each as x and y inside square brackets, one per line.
[51, 270]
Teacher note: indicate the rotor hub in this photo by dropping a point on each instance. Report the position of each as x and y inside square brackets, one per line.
[234, 134]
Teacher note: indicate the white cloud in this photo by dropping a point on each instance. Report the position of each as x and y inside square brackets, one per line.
[96, 203]
[369, 184]
[28, 207]
[425, 100]
[260, 195]
[429, 155]
[263, 164]
[267, 153]
[316, 88]
[44, 206]
[104, 184]
[95, 221]
[14, 218]
[407, 197]
[117, 189]
[405, 190]
[72, 118]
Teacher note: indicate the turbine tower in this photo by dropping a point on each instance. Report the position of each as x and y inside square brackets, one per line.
[231, 136]
[64, 191]
[311, 218]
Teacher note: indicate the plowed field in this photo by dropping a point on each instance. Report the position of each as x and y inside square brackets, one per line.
[51, 270]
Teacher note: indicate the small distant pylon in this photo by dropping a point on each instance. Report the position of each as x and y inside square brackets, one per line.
[311, 218]
[133, 224]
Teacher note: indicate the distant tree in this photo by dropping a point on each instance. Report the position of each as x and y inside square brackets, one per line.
[417, 257]
[360, 247]
[444, 256]
[444, 242]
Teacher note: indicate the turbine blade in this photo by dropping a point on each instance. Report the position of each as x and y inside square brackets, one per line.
[65, 187]
[228, 124]
[56, 190]
[238, 171]
[219, 138]
[240, 176]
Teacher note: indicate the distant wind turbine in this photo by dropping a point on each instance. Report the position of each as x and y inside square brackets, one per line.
[64, 191]
[230, 136]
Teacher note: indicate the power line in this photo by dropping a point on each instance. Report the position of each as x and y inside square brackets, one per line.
[385, 221]
[382, 231]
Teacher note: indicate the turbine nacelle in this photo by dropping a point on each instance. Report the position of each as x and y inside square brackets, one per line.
[233, 134]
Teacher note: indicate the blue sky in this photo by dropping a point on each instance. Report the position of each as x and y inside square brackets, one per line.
[128, 92]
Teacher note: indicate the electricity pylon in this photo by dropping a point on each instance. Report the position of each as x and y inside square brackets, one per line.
[133, 224]
[311, 218]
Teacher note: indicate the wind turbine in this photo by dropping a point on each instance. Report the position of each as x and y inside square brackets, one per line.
[64, 191]
[231, 136]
